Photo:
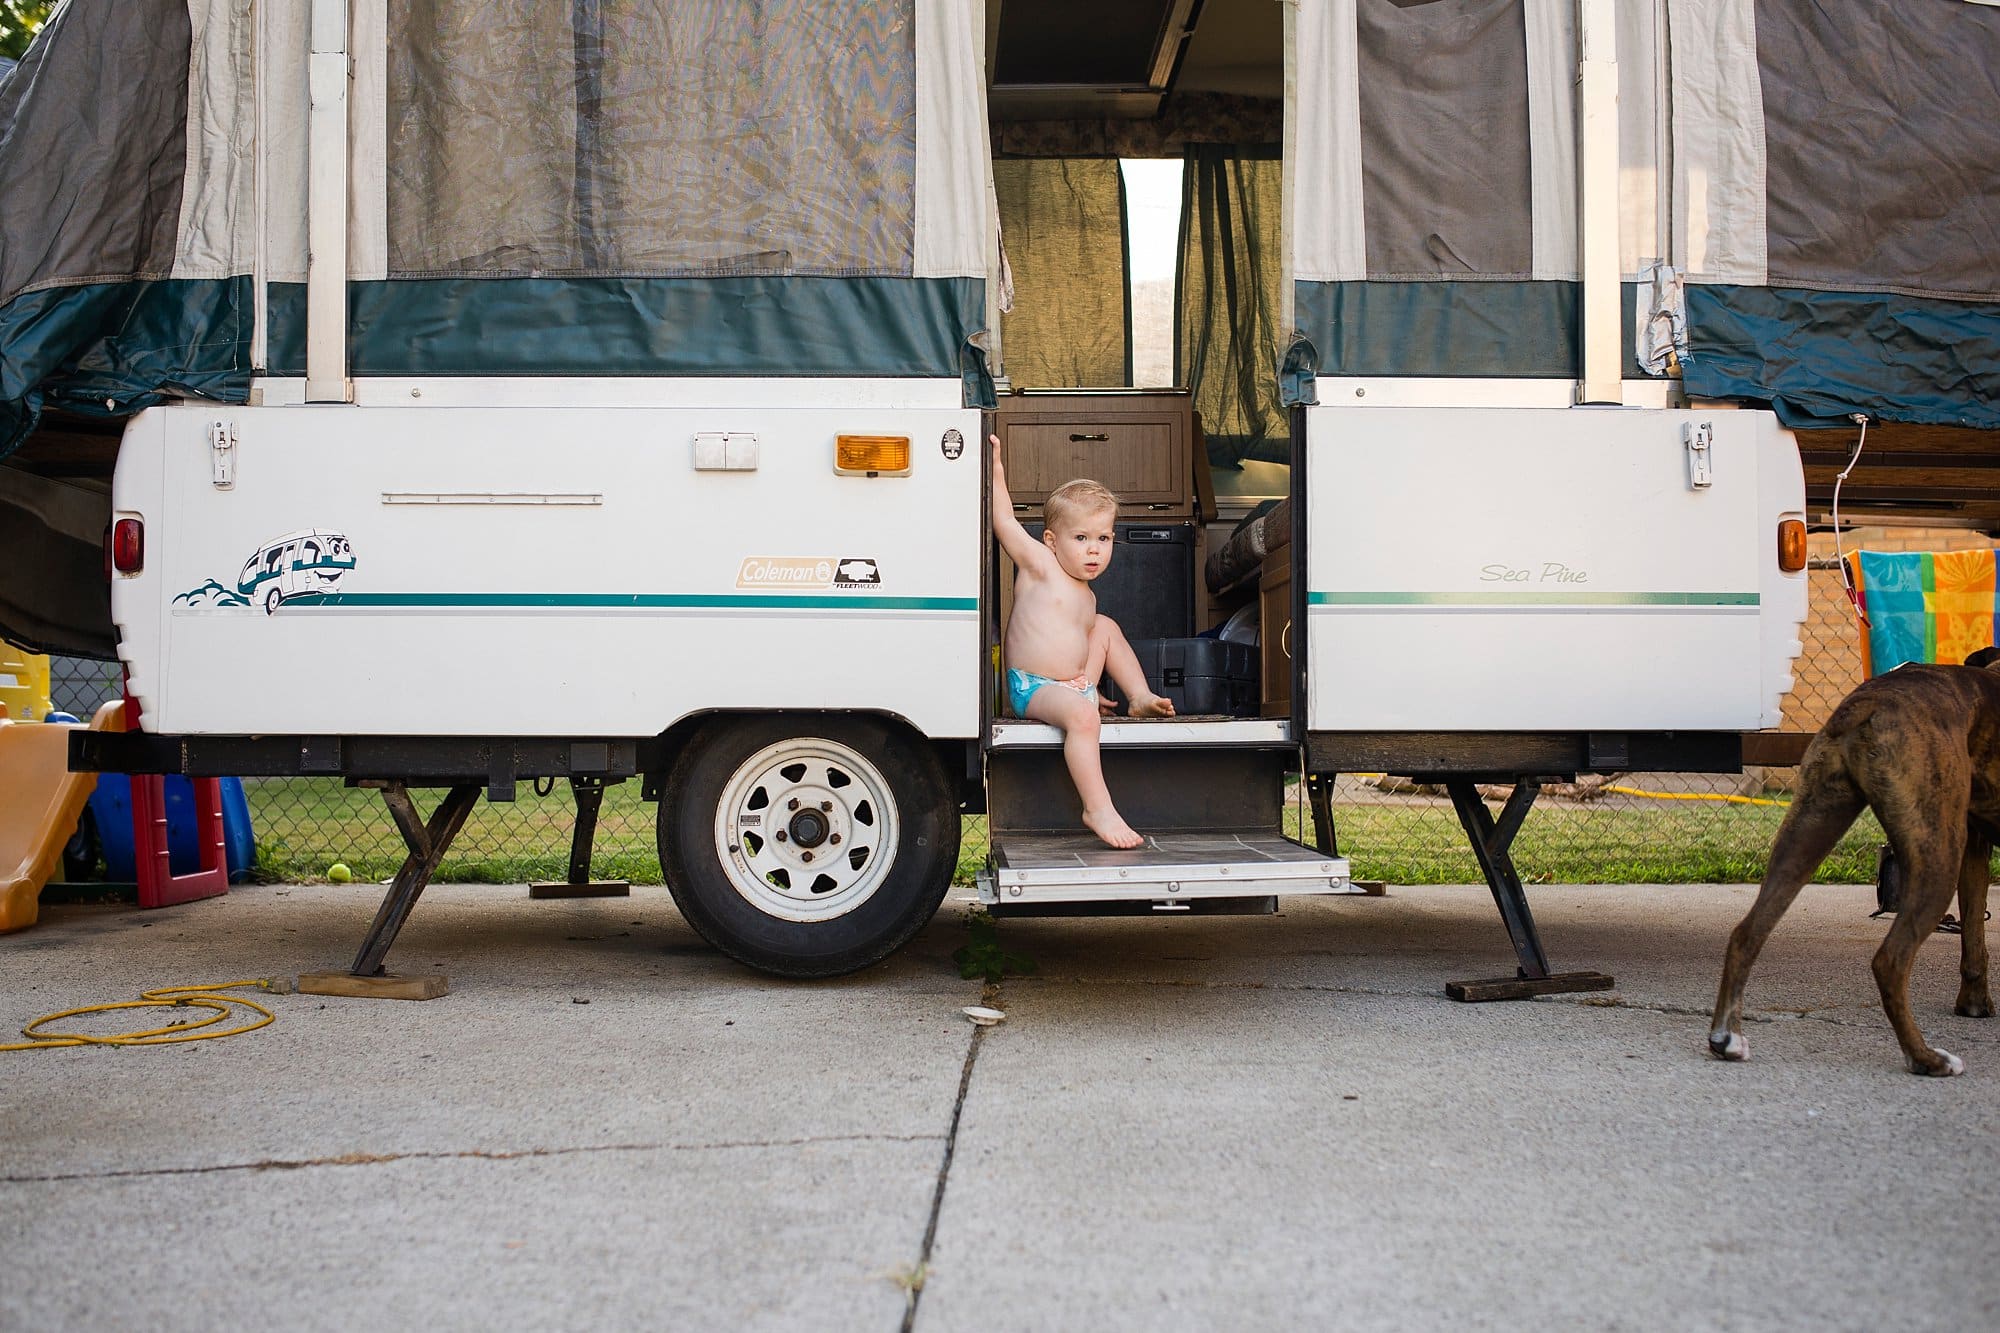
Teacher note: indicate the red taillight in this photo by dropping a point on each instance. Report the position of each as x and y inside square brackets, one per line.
[1791, 545]
[128, 546]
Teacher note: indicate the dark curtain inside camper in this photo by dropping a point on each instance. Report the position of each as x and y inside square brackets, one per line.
[1062, 226]
[1226, 334]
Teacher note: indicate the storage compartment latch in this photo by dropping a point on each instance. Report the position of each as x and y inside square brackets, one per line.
[222, 453]
[1698, 436]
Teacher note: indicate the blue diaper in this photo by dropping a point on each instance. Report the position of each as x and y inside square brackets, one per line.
[1021, 687]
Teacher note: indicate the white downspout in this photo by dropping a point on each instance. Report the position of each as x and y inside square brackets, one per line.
[1597, 203]
[326, 207]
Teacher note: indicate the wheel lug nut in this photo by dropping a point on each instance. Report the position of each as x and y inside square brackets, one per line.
[792, 804]
[779, 835]
[835, 839]
[805, 856]
[826, 805]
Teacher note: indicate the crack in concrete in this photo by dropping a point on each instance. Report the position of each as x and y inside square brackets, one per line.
[472, 1154]
[913, 1282]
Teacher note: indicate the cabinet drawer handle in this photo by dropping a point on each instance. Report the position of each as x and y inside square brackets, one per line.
[1074, 438]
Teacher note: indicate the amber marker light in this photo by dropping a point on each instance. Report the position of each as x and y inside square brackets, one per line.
[872, 455]
[1791, 545]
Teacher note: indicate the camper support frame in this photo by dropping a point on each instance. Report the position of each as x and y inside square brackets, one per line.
[428, 842]
[1492, 843]
[588, 792]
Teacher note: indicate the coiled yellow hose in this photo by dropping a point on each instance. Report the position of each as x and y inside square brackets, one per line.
[166, 997]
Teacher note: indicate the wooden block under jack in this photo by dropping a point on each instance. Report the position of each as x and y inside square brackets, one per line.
[1524, 988]
[597, 888]
[385, 987]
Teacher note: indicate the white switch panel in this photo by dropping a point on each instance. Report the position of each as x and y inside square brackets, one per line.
[725, 451]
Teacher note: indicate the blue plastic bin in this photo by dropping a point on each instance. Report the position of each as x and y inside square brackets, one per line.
[111, 807]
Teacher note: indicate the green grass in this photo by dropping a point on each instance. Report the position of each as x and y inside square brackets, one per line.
[1600, 843]
[304, 825]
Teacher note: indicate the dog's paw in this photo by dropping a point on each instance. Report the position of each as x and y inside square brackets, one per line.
[1973, 1006]
[1726, 1045]
[1944, 1066]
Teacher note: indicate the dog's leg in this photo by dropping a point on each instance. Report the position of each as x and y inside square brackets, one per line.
[1931, 871]
[1974, 1001]
[1828, 804]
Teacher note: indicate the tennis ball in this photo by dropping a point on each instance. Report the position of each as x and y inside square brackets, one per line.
[339, 873]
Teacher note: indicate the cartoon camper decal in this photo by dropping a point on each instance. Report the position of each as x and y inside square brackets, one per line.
[295, 565]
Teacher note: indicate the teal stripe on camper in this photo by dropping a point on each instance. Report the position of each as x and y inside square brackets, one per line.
[1816, 356]
[1533, 598]
[112, 348]
[739, 326]
[1463, 330]
[638, 601]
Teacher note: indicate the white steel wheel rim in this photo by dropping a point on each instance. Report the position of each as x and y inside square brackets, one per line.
[806, 829]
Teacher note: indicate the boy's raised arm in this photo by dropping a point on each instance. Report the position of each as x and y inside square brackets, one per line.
[1022, 549]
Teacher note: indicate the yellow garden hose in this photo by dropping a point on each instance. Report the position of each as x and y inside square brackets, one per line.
[166, 997]
[1671, 795]
[1695, 796]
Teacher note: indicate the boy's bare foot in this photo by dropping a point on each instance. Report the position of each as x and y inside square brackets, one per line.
[1111, 829]
[1152, 705]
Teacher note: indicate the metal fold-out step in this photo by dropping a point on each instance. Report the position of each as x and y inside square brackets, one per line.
[1170, 872]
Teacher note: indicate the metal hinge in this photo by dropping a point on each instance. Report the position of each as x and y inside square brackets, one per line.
[222, 453]
[1698, 436]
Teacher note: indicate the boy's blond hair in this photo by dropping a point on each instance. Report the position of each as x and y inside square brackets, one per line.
[1073, 499]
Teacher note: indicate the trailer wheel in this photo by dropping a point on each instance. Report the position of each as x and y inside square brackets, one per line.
[808, 847]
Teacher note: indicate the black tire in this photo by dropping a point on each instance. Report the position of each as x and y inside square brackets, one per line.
[717, 886]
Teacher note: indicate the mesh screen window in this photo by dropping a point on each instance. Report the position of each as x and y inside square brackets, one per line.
[651, 138]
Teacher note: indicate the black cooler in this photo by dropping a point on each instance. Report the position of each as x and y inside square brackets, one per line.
[1201, 676]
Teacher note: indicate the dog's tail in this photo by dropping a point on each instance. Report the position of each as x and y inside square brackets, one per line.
[1853, 711]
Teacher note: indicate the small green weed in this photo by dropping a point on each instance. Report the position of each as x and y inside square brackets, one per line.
[982, 956]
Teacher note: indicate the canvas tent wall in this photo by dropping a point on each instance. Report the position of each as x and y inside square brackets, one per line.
[548, 187]
[1822, 182]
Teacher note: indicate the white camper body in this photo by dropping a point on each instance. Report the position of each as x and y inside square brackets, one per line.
[595, 463]
[514, 543]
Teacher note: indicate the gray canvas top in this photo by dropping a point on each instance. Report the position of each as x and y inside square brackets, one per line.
[93, 147]
[1882, 141]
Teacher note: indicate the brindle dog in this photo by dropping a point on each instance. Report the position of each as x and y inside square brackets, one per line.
[1922, 746]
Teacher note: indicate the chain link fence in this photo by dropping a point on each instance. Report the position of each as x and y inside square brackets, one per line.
[1604, 828]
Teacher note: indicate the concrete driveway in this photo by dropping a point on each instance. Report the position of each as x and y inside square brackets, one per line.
[1183, 1123]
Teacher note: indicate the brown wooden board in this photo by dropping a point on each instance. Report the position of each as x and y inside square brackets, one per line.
[1525, 988]
[596, 888]
[373, 988]
[1944, 474]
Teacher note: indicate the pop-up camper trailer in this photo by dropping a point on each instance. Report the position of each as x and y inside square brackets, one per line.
[644, 351]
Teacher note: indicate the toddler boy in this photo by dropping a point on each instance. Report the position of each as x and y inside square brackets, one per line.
[1058, 647]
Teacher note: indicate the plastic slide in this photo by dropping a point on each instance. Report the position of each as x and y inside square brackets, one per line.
[40, 800]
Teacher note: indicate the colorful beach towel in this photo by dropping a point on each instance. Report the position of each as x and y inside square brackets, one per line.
[1924, 606]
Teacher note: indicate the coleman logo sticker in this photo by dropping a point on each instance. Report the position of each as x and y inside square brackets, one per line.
[786, 571]
[807, 573]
